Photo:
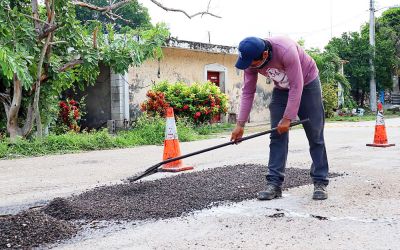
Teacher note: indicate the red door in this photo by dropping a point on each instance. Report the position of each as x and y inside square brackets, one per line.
[213, 76]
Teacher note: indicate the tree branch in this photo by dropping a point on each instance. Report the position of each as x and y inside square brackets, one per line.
[101, 9]
[111, 7]
[7, 109]
[48, 10]
[48, 30]
[69, 65]
[95, 38]
[64, 68]
[5, 98]
[58, 42]
[35, 14]
[184, 12]
[114, 16]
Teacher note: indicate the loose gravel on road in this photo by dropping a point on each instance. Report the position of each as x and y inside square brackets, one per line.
[32, 228]
[157, 199]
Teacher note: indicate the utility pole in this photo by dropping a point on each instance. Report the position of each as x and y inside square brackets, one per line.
[331, 18]
[372, 83]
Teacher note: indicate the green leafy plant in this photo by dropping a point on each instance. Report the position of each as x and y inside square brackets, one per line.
[330, 99]
[199, 102]
[329, 65]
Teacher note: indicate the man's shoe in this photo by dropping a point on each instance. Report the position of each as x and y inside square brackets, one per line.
[270, 193]
[320, 192]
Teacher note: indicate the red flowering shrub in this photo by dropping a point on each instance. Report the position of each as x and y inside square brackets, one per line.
[70, 114]
[155, 103]
[198, 102]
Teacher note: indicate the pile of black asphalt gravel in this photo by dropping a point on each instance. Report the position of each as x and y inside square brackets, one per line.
[31, 229]
[158, 199]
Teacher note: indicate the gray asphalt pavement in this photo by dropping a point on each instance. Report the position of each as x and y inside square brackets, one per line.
[362, 212]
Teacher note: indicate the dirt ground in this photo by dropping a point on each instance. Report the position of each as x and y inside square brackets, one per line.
[361, 212]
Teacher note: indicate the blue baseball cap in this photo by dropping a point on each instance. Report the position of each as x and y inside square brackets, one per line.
[250, 49]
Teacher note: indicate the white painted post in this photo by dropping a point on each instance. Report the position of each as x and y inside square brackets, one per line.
[119, 98]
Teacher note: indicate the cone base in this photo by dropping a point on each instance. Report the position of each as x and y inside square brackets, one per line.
[380, 145]
[176, 169]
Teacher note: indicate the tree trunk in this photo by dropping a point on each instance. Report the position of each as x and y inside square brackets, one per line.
[6, 108]
[362, 98]
[30, 118]
[50, 18]
[5, 99]
[38, 119]
[12, 120]
[357, 96]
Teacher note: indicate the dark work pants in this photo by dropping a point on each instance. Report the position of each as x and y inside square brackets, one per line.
[310, 107]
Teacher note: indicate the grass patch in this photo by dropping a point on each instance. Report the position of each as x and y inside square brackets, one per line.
[367, 117]
[147, 131]
[351, 118]
[211, 129]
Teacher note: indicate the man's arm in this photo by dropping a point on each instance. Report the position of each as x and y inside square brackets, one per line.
[246, 102]
[247, 97]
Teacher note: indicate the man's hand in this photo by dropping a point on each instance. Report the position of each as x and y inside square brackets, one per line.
[283, 125]
[237, 133]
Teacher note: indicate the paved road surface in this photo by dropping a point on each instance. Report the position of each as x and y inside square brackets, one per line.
[362, 212]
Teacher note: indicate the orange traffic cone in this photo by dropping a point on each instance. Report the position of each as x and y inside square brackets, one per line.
[380, 138]
[171, 145]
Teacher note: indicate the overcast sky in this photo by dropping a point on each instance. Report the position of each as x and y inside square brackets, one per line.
[315, 21]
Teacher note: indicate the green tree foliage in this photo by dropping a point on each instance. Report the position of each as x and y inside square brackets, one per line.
[391, 19]
[44, 53]
[388, 46]
[133, 15]
[355, 50]
[329, 65]
[386, 60]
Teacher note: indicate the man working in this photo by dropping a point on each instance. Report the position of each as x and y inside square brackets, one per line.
[297, 92]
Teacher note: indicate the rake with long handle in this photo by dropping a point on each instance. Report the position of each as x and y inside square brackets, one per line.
[155, 168]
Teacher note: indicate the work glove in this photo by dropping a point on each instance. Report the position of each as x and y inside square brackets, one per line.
[237, 133]
[283, 125]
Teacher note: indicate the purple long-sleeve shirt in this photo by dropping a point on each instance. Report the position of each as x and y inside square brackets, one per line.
[290, 68]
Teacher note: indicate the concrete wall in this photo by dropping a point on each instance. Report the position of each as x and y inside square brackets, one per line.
[189, 66]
